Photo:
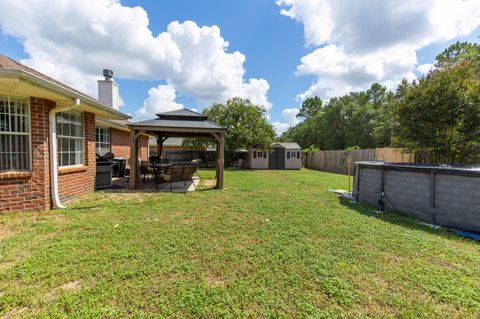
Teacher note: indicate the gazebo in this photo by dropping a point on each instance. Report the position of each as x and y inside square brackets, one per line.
[178, 123]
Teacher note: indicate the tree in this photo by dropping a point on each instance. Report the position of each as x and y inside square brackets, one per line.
[310, 107]
[246, 125]
[457, 52]
[439, 117]
[355, 119]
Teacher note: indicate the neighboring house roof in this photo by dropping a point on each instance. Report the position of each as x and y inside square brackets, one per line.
[16, 71]
[171, 141]
[181, 119]
[287, 145]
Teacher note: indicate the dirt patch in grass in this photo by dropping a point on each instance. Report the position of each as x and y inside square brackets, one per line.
[215, 279]
[5, 232]
[70, 286]
[249, 243]
[208, 183]
[15, 313]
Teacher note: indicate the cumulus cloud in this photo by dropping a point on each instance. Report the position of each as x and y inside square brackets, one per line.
[280, 127]
[424, 68]
[290, 117]
[160, 99]
[360, 42]
[74, 40]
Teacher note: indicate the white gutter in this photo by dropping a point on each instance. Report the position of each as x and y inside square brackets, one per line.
[53, 152]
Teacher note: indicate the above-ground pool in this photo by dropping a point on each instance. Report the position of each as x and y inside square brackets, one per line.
[439, 194]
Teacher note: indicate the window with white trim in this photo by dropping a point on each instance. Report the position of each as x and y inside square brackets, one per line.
[102, 140]
[14, 134]
[71, 141]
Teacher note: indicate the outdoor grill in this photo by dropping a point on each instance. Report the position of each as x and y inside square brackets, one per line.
[103, 176]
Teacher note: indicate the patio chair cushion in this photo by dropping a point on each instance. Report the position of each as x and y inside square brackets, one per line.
[179, 172]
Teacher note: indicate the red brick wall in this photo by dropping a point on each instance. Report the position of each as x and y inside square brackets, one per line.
[120, 144]
[31, 190]
[144, 148]
[74, 181]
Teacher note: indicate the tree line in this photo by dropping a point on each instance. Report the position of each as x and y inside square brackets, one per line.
[436, 116]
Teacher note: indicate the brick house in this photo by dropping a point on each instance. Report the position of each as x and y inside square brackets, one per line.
[47, 139]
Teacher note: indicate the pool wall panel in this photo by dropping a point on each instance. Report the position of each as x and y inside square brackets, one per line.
[449, 198]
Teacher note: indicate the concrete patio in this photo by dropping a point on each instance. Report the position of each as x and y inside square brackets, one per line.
[121, 185]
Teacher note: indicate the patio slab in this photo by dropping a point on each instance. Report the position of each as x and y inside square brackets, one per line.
[120, 185]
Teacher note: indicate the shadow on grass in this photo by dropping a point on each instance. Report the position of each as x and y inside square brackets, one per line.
[397, 219]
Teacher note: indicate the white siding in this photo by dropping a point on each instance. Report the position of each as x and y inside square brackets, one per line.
[293, 162]
[108, 94]
[258, 162]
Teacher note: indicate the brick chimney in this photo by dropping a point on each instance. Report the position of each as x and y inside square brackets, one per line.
[108, 90]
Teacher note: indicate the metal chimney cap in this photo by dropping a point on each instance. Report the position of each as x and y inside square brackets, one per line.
[108, 74]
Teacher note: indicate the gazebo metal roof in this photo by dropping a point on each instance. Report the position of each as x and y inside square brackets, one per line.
[183, 122]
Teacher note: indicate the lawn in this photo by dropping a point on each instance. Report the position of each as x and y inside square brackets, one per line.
[272, 244]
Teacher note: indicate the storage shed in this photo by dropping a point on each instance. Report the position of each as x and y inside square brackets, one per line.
[281, 156]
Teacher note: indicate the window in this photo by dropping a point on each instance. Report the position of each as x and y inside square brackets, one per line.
[102, 140]
[260, 154]
[264, 154]
[254, 154]
[288, 154]
[14, 134]
[71, 143]
[298, 154]
[293, 154]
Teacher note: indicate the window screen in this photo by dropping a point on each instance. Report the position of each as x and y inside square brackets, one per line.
[71, 142]
[14, 134]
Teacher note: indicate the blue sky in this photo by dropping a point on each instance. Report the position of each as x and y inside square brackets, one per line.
[294, 48]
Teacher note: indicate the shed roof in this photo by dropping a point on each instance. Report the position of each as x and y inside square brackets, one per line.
[287, 145]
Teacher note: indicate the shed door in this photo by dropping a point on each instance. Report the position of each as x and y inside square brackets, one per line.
[272, 159]
[280, 158]
[276, 159]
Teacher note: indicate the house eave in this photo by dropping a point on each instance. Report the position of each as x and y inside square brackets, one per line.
[62, 95]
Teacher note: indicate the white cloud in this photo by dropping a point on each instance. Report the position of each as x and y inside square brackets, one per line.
[424, 68]
[360, 42]
[290, 117]
[160, 99]
[280, 127]
[74, 40]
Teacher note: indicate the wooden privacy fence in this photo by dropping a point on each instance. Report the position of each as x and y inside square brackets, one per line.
[337, 161]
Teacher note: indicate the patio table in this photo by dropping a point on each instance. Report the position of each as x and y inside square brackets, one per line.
[158, 169]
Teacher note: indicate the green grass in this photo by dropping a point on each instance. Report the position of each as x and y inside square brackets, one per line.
[271, 244]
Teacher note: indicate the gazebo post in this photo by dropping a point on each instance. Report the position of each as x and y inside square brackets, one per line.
[134, 173]
[133, 159]
[220, 153]
[159, 146]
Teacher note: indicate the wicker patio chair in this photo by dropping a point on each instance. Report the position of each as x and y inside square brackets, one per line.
[179, 173]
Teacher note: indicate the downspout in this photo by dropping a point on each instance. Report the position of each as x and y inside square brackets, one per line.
[53, 152]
